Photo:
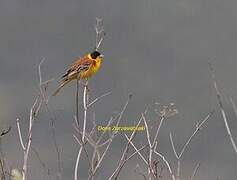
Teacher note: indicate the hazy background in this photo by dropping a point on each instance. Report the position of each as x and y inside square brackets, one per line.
[155, 49]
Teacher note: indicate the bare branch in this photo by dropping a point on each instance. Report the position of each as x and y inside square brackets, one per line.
[100, 33]
[43, 86]
[85, 98]
[158, 130]
[167, 164]
[77, 104]
[233, 105]
[46, 169]
[218, 94]
[98, 98]
[20, 134]
[195, 132]
[195, 171]
[178, 156]
[123, 158]
[172, 143]
[144, 159]
[77, 164]
[39, 71]
[26, 147]
[128, 158]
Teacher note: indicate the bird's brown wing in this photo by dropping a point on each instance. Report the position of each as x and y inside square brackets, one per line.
[79, 65]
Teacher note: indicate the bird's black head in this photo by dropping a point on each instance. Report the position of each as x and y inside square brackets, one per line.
[95, 54]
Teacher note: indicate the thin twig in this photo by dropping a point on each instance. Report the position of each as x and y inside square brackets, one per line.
[82, 137]
[178, 169]
[150, 172]
[110, 139]
[77, 163]
[198, 127]
[218, 94]
[43, 91]
[100, 33]
[45, 168]
[195, 171]
[26, 147]
[128, 158]
[20, 134]
[167, 164]
[85, 111]
[98, 98]
[123, 157]
[179, 156]
[172, 144]
[142, 157]
[158, 130]
[77, 104]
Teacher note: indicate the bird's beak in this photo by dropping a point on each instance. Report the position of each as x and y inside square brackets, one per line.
[101, 55]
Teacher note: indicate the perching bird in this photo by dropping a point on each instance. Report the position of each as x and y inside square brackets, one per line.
[82, 68]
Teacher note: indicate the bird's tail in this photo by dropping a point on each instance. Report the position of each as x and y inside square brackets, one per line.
[60, 87]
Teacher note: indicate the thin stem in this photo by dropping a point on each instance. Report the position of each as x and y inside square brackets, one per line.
[158, 130]
[123, 157]
[43, 88]
[142, 157]
[178, 170]
[195, 171]
[77, 104]
[127, 159]
[99, 29]
[167, 164]
[85, 111]
[33, 113]
[218, 94]
[77, 164]
[172, 143]
[20, 134]
[179, 156]
[98, 98]
[194, 133]
[150, 171]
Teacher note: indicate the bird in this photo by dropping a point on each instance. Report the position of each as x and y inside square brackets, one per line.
[81, 68]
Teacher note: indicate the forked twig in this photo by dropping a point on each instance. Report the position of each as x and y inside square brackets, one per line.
[179, 156]
[26, 146]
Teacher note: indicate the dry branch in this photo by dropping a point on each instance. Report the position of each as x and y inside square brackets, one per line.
[43, 87]
[179, 156]
[26, 146]
[218, 94]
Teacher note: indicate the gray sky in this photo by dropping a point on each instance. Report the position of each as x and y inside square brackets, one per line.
[158, 50]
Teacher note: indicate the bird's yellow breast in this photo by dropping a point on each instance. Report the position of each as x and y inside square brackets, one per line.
[92, 70]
